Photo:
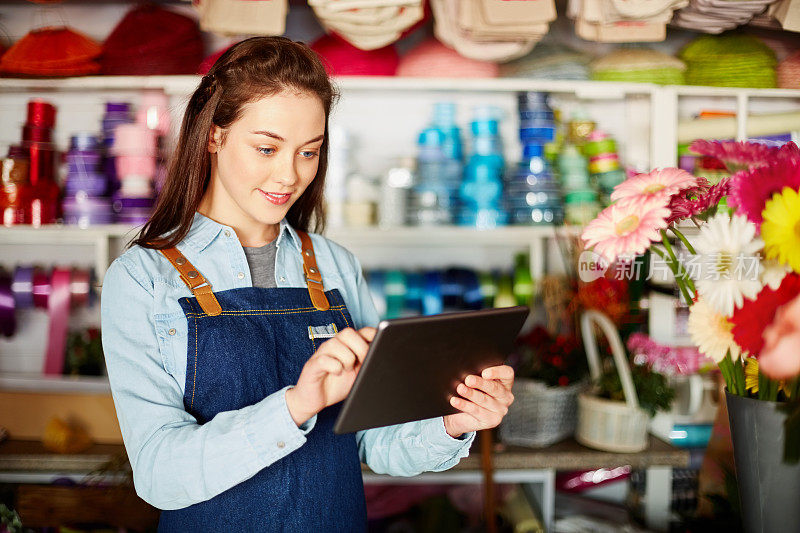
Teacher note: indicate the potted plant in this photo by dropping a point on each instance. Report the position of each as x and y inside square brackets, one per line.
[614, 415]
[741, 278]
[549, 373]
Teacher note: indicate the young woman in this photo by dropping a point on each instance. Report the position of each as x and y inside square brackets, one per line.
[231, 334]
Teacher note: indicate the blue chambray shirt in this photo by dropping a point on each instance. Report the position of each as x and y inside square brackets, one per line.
[177, 462]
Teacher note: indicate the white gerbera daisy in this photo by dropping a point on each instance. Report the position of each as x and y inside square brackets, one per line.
[773, 272]
[711, 331]
[729, 265]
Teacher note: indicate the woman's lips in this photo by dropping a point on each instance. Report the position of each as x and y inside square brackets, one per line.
[277, 199]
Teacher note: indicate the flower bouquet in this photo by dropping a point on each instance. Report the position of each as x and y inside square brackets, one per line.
[740, 273]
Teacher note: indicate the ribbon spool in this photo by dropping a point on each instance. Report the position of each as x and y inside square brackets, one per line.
[8, 319]
[63, 289]
[22, 287]
[415, 290]
[432, 303]
[395, 289]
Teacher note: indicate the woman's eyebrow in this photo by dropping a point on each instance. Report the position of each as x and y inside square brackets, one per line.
[279, 138]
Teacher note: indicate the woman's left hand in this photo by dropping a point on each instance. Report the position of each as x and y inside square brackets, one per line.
[483, 401]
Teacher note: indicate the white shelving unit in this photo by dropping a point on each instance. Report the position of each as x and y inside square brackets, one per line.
[646, 118]
[647, 130]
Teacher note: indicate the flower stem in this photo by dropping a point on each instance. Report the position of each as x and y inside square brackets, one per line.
[680, 270]
[678, 280]
[726, 367]
[683, 239]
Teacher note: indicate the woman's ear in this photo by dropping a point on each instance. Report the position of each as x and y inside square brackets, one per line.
[215, 138]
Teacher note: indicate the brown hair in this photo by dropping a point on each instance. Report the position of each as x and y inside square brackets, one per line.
[247, 71]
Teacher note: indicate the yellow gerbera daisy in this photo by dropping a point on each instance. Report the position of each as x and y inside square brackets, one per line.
[751, 377]
[751, 374]
[781, 228]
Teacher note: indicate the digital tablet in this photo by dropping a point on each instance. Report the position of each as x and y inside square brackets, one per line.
[414, 364]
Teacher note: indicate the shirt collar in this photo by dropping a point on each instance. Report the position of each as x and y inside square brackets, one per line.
[204, 230]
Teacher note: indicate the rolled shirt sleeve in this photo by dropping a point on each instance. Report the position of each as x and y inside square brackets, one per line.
[176, 461]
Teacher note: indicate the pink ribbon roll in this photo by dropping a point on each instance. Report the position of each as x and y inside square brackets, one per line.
[58, 305]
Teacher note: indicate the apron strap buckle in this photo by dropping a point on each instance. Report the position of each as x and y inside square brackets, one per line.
[316, 290]
[194, 280]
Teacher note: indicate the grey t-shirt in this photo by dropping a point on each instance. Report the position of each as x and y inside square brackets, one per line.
[262, 264]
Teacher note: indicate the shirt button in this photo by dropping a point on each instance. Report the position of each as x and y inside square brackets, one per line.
[172, 331]
[281, 444]
[240, 275]
[283, 279]
[227, 233]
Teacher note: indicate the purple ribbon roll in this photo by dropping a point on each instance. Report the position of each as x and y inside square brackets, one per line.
[121, 203]
[84, 142]
[82, 160]
[22, 287]
[94, 184]
[8, 320]
[118, 107]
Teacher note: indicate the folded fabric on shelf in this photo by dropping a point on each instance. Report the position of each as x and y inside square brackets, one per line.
[716, 16]
[549, 61]
[789, 72]
[729, 61]
[622, 20]
[456, 24]
[52, 51]
[433, 59]
[151, 40]
[642, 65]
[343, 59]
[234, 17]
[368, 24]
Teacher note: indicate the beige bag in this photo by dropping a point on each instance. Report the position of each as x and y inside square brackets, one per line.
[621, 32]
[243, 17]
[788, 14]
[518, 12]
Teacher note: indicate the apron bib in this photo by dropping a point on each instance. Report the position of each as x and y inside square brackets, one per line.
[243, 345]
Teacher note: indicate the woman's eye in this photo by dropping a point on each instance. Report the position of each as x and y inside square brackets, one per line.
[266, 151]
[309, 154]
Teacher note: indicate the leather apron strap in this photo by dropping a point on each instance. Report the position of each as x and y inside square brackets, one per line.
[201, 288]
[195, 281]
[313, 276]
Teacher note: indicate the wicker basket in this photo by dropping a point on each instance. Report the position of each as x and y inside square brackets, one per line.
[606, 424]
[540, 415]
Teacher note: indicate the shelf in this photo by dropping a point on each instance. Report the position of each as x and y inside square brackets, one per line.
[184, 85]
[30, 456]
[54, 384]
[374, 236]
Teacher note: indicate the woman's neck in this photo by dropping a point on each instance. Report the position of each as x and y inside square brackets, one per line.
[251, 233]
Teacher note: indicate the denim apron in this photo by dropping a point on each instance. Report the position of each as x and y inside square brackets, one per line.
[245, 344]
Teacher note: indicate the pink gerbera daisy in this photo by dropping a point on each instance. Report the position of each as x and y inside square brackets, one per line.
[736, 155]
[659, 184]
[698, 201]
[750, 189]
[626, 227]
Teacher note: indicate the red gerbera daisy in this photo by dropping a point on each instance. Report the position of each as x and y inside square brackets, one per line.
[736, 155]
[750, 320]
[698, 200]
[750, 189]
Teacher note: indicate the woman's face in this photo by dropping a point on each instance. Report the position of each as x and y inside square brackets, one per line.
[264, 161]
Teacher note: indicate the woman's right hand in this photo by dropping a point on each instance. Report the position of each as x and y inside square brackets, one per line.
[328, 375]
